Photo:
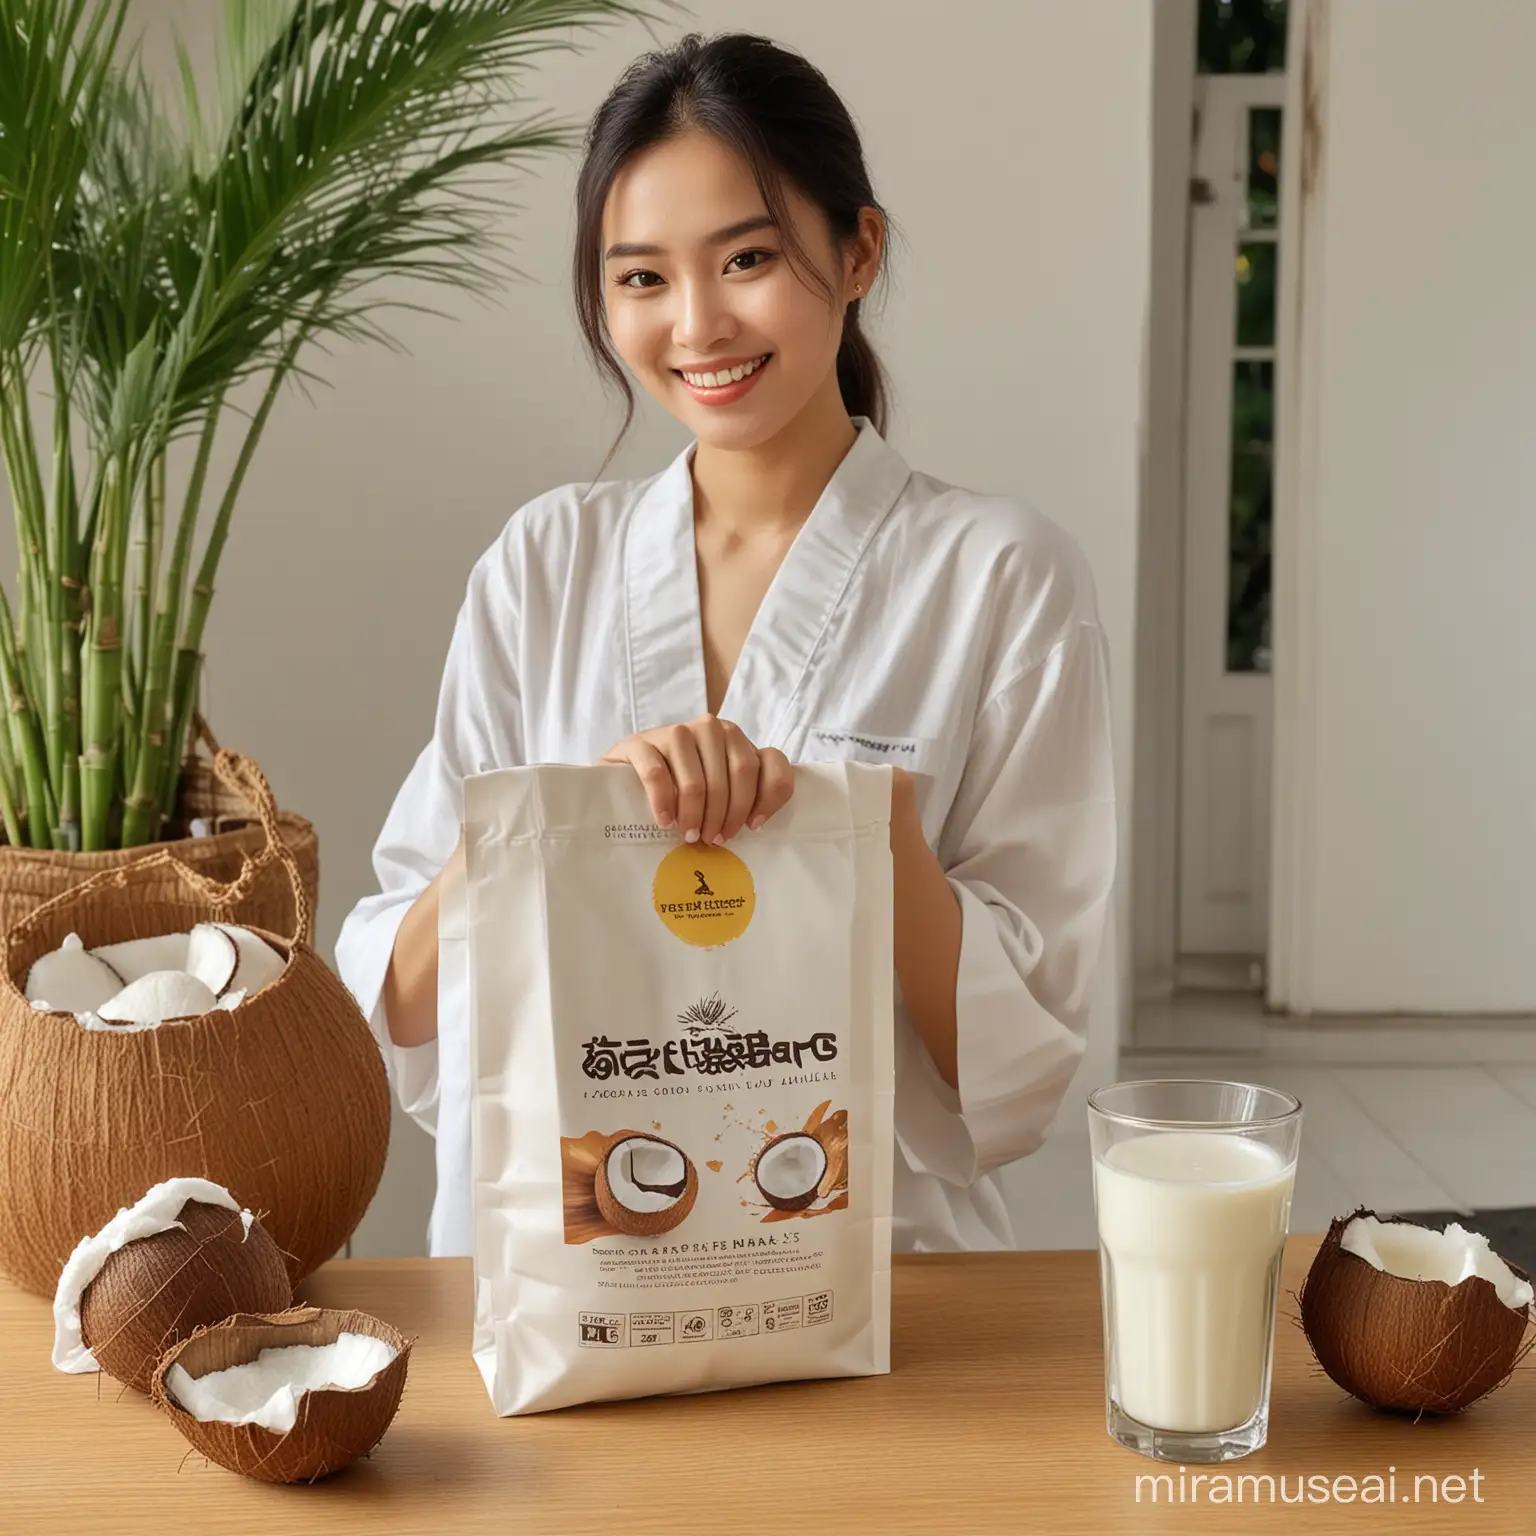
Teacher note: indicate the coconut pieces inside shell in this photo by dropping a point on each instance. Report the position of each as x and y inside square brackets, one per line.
[333, 1425]
[184, 1255]
[644, 1185]
[142, 983]
[1412, 1320]
[159, 996]
[72, 978]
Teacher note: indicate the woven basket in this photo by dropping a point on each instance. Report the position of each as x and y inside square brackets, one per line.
[31, 876]
[283, 1100]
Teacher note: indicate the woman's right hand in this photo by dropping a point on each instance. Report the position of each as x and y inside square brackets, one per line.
[706, 777]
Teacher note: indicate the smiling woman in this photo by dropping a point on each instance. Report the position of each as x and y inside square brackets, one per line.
[787, 590]
[724, 215]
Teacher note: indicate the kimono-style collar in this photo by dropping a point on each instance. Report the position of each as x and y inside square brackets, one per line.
[661, 592]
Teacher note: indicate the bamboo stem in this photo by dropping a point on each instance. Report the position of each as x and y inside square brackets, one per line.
[25, 741]
[62, 707]
[142, 733]
[154, 781]
[104, 658]
[18, 678]
[8, 793]
[189, 653]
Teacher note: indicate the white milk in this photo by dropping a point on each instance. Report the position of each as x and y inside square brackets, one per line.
[1191, 1229]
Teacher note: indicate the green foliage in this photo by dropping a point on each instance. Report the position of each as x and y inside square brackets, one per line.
[1241, 37]
[150, 267]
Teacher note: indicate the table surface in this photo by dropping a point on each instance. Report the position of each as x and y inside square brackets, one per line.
[991, 1420]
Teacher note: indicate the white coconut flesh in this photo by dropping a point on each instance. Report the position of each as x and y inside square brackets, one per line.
[1420, 1253]
[211, 957]
[266, 1390]
[141, 983]
[159, 996]
[791, 1168]
[156, 1211]
[258, 966]
[71, 979]
[134, 958]
[646, 1175]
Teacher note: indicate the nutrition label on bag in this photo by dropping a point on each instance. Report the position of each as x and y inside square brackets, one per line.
[642, 1330]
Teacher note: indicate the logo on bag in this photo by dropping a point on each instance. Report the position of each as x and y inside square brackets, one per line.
[704, 895]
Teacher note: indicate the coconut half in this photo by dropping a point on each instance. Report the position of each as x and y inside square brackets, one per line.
[1410, 1319]
[258, 966]
[72, 979]
[287, 1397]
[159, 996]
[644, 1185]
[211, 957]
[789, 1170]
[178, 1258]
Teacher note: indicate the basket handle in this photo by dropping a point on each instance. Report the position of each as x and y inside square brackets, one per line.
[203, 732]
[243, 775]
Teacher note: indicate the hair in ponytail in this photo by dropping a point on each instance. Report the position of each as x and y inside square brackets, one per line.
[781, 114]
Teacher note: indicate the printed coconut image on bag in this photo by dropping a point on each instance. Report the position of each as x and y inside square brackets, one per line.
[682, 1062]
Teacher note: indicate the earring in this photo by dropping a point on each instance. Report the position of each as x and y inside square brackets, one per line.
[858, 287]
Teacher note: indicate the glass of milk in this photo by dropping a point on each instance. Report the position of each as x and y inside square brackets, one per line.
[1192, 1189]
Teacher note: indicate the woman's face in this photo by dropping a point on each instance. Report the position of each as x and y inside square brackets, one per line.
[708, 293]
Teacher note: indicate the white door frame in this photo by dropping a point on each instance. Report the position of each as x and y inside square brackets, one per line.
[1160, 557]
[1160, 576]
[1303, 133]
[1223, 887]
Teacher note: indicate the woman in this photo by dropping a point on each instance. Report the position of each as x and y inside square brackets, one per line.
[787, 589]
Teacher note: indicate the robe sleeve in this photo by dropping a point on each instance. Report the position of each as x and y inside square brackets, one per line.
[1030, 851]
[476, 727]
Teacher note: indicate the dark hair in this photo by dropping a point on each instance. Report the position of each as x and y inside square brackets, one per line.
[779, 112]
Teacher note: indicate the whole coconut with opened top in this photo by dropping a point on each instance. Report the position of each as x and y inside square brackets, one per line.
[283, 1098]
[1412, 1320]
[181, 1257]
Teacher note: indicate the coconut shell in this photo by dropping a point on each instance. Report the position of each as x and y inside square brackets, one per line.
[157, 1290]
[335, 1425]
[283, 1100]
[643, 1223]
[1410, 1346]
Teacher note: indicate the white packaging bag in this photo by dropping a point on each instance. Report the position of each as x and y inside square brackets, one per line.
[682, 1076]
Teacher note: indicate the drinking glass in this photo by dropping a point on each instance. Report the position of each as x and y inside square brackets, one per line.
[1192, 1189]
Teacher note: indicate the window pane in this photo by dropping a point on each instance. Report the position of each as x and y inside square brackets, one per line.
[1263, 167]
[1256, 263]
[1241, 37]
[1251, 517]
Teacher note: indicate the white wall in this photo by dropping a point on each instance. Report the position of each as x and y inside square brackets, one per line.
[1010, 141]
[1406, 822]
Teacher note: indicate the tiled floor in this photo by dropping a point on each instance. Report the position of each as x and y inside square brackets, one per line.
[1404, 1116]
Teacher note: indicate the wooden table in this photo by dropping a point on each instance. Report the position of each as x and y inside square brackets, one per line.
[992, 1420]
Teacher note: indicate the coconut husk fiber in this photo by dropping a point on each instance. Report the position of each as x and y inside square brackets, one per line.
[335, 1425]
[282, 1100]
[156, 1290]
[31, 876]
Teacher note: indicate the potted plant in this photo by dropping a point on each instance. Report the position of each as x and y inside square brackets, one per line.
[159, 271]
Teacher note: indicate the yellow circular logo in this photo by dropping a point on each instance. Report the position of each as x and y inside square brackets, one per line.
[703, 894]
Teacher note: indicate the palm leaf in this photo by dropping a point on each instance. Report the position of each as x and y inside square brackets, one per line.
[344, 145]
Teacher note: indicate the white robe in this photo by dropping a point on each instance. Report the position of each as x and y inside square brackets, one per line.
[912, 622]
